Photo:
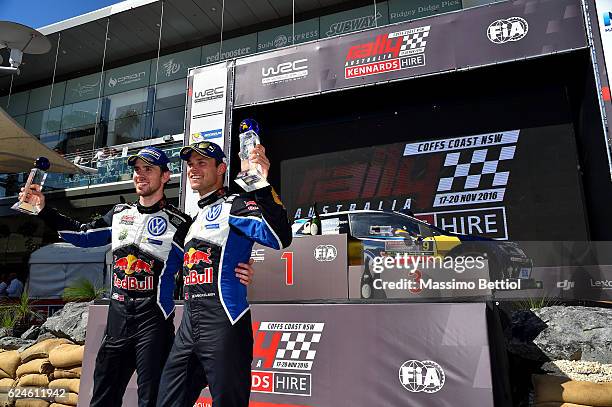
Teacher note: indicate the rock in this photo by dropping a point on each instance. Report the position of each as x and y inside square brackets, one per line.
[562, 333]
[525, 327]
[70, 322]
[12, 343]
[580, 370]
[5, 332]
[31, 333]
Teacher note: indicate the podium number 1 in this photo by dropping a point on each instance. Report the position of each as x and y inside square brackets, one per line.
[288, 256]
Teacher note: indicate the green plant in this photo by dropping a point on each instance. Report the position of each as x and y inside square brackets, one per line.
[82, 290]
[535, 303]
[7, 319]
[17, 315]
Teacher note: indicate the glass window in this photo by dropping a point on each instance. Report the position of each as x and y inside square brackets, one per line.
[83, 88]
[54, 140]
[18, 103]
[39, 97]
[127, 77]
[126, 118]
[20, 120]
[169, 121]
[3, 102]
[175, 66]
[126, 128]
[171, 94]
[79, 114]
[81, 138]
[46, 121]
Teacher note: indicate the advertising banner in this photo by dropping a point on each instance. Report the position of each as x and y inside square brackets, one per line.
[205, 115]
[282, 36]
[489, 184]
[406, 10]
[232, 48]
[175, 66]
[419, 355]
[284, 73]
[502, 32]
[128, 77]
[358, 19]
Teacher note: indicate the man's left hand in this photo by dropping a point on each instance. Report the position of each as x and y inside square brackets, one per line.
[245, 272]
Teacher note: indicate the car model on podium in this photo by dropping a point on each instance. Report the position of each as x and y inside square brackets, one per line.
[374, 234]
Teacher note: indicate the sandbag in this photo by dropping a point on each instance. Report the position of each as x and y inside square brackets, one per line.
[5, 401]
[33, 380]
[7, 383]
[67, 355]
[60, 405]
[70, 399]
[558, 404]
[42, 349]
[9, 361]
[561, 389]
[68, 384]
[31, 403]
[35, 366]
[74, 373]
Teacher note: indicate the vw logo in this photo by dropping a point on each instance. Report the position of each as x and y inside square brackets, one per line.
[157, 226]
[214, 212]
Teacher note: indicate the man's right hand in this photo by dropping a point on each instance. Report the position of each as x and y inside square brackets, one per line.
[33, 196]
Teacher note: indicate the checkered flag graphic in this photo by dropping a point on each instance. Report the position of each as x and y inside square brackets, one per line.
[471, 169]
[295, 344]
[415, 40]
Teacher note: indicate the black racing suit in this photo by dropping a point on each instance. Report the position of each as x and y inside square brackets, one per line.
[147, 245]
[214, 344]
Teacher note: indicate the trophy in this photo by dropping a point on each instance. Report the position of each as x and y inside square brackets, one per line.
[37, 176]
[251, 178]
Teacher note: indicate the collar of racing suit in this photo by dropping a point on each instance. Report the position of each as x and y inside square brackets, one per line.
[212, 197]
[153, 208]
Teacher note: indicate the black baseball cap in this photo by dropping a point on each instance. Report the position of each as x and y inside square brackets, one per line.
[204, 148]
[150, 155]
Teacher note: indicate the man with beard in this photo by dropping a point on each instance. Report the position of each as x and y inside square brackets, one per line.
[214, 344]
[147, 240]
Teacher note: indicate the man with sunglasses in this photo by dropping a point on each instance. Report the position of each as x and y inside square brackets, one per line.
[214, 344]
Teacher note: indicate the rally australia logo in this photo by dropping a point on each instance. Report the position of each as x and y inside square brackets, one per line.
[282, 354]
[387, 53]
[421, 376]
[284, 72]
[507, 30]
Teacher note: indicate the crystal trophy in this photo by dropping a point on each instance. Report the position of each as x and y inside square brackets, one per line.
[250, 179]
[37, 176]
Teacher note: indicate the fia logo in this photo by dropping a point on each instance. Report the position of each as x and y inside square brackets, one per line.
[213, 212]
[325, 252]
[566, 285]
[421, 376]
[507, 30]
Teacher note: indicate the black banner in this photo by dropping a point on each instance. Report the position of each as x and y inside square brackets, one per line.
[501, 32]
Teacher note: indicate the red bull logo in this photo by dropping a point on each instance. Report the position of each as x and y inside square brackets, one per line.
[195, 278]
[193, 257]
[132, 264]
[132, 283]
